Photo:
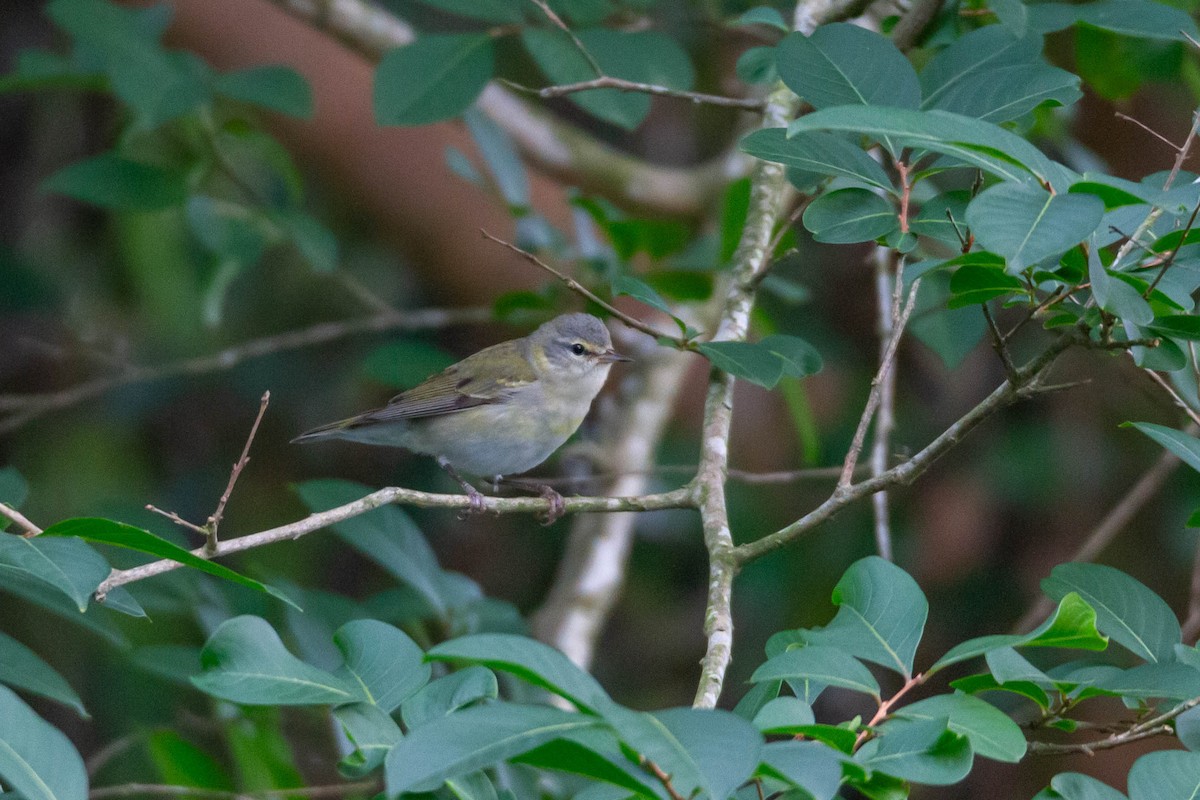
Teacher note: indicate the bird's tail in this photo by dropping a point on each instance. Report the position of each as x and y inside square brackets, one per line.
[334, 430]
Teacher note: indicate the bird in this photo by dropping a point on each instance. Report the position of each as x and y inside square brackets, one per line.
[498, 412]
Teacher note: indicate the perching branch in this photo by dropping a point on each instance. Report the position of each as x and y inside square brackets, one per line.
[679, 498]
[19, 409]
[888, 292]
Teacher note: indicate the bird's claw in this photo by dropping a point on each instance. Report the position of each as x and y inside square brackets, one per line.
[557, 505]
[478, 505]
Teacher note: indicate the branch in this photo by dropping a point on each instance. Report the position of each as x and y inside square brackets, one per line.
[609, 82]
[557, 148]
[1191, 625]
[1028, 382]
[886, 360]
[914, 22]
[21, 409]
[214, 520]
[1155, 726]
[314, 522]
[888, 288]
[583, 291]
[20, 520]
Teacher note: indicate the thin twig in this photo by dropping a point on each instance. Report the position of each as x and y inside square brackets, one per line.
[1170, 259]
[1169, 389]
[178, 520]
[885, 365]
[679, 498]
[746, 476]
[999, 344]
[886, 706]
[609, 82]
[583, 291]
[168, 790]
[661, 775]
[558, 22]
[1154, 726]
[25, 408]
[1007, 393]
[1148, 130]
[214, 519]
[20, 520]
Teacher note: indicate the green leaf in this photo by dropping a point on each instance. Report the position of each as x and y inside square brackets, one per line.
[502, 159]
[245, 662]
[844, 64]
[977, 684]
[1187, 728]
[35, 591]
[446, 695]
[36, 760]
[1140, 18]
[753, 362]
[1126, 610]
[836, 736]
[1184, 445]
[800, 359]
[704, 750]
[809, 766]
[640, 56]
[785, 714]
[1073, 625]
[827, 665]
[1177, 326]
[972, 141]
[111, 181]
[846, 216]
[594, 753]
[24, 669]
[387, 536]
[825, 154]
[69, 566]
[386, 664]
[764, 15]
[1162, 680]
[434, 78]
[1076, 786]
[404, 363]
[275, 87]
[932, 220]
[473, 739]
[881, 615]
[106, 531]
[639, 290]
[1027, 224]
[992, 733]
[992, 75]
[972, 284]
[724, 748]
[531, 661]
[921, 752]
[312, 240]
[1165, 775]
[372, 732]
[181, 763]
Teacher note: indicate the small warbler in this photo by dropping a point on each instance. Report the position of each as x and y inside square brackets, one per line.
[499, 412]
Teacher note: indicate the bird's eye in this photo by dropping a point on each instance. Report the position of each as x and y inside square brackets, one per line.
[578, 349]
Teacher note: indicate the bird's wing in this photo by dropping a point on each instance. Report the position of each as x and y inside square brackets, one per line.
[485, 377]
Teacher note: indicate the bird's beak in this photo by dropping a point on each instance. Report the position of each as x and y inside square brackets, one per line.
[610, 355]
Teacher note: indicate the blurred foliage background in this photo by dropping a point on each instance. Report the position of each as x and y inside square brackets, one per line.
[84, 292]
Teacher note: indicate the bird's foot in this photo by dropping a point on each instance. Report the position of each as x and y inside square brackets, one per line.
[478, 503]
[557, 505]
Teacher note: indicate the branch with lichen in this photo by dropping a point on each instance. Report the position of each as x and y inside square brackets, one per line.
[315, 522]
